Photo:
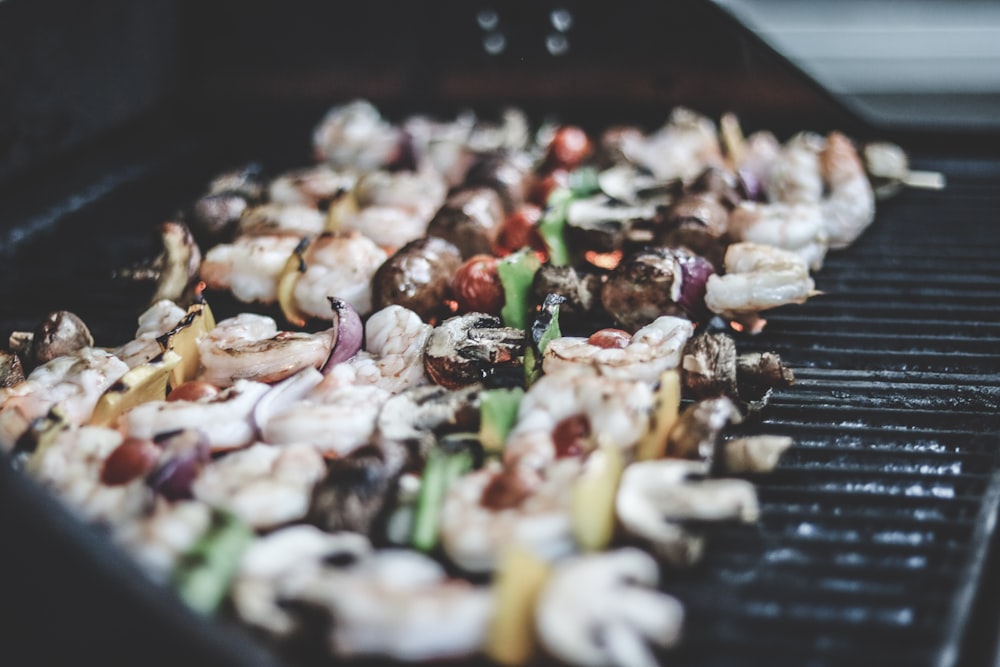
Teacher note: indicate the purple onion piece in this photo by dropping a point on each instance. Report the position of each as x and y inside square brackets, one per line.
[185, 453]
[695, 271]
[751, 185]
[348, 333]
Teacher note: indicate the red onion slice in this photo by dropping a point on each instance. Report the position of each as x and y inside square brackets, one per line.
[185, 453]
[695, 271]
[349, 332]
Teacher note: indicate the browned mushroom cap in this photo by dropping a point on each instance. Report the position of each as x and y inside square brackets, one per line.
[61, 333]
[465, 349]
[581, 291]
[471, 219]
[697, 222]
[417, 277]
[653, 282]
[507, 172]
[724, 186]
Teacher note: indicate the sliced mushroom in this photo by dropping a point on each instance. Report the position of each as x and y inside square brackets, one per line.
[464, 350]
[654, 497]
[175, 269]
[600, 223]
[754, 453]
[413, 419]
[417, 277]
[697, 222]
[699, 428]
[604, 609]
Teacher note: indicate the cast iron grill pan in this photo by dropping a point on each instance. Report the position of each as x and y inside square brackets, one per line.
[875, 527]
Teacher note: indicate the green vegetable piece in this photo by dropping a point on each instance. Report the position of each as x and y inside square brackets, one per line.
[498, 412]
[517, 271]
[552, 225]
[203, 575]
[584, 182]
[544, 330]
[440, 471]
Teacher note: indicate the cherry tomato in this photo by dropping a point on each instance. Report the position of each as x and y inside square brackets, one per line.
[520, 230]
[477, 287]
[610, 338]
[132, 459]
[192, 391]
[569, 147]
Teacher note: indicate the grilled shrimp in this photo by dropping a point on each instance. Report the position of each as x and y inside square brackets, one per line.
[758, 277]
[159, 540]
[355, 135]
[272, 219]
[496, 506]
[338, 264]
[250, 347]
[225, 418]
[757, 156]
[70, 465]
[158, 319]
[849, 207]
[393, 358]
[795, 175]
[249, 266]
[263, 485]
[651, 350]
[312, 186]
[74, 382]
[334, 418]
[799, 228]
[682, 148]
[395, 207]
[565, 414]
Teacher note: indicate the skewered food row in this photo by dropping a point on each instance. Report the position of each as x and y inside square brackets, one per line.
[500, 399]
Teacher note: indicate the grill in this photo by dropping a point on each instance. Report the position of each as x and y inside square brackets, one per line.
[877, 528]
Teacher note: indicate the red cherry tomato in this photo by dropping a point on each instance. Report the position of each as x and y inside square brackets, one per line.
[569, 147]
[543, 186]
[477, 287]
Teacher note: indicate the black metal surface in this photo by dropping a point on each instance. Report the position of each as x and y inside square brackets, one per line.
[875, 529]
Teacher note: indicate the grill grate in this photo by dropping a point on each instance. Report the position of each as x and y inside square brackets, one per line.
[876, 524]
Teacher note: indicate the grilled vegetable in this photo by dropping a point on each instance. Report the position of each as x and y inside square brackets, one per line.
[441, 470]
[59, 334]
[203, 575]
[517, 271]
[146, 382]
[183, 340]
[417, 277]
[667, 404]
[544, 329]
[593, 505]
[498, 409]
[519, 579]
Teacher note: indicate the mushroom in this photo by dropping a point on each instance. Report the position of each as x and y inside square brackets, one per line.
[656, 281]
[175, 269]
[413, 419]
[59, 334]
[11, 370]
[471, 219]
[628, 184]
[216, 213]
[654, 497]
[509, 172]
[697, 222]
[466, 349]
[600, 223]
[710, 367]
[753, 453]
[274, 563]
[418, 277]
[699, 427]
[603, 609]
